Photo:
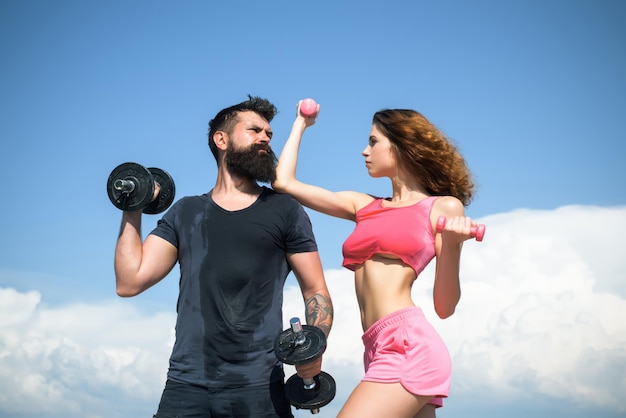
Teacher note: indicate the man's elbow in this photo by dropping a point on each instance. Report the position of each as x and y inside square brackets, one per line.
[127, 291]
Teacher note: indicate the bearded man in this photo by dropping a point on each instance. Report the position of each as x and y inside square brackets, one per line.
[235, 246]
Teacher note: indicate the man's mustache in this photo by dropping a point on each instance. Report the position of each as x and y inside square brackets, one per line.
[263, 147]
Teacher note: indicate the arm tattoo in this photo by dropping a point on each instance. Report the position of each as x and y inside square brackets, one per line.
[319, 312]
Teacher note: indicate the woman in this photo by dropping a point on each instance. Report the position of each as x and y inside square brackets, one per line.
[407, 365]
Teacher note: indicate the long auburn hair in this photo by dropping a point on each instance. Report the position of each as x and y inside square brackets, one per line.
[423, 150]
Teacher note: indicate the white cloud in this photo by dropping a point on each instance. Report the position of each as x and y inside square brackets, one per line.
[534, 315]
[541, 314]
[62, 361]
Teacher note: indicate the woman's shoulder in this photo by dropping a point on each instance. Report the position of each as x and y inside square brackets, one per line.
[449, 206]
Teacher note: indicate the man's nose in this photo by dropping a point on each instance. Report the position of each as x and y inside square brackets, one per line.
[264, 138]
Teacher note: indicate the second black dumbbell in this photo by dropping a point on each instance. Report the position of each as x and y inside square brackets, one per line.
[301, 344]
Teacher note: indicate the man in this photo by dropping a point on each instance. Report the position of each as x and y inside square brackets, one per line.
[235, 247]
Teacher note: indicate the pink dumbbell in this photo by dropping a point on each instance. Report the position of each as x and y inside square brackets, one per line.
[476, 231]
[308, 107]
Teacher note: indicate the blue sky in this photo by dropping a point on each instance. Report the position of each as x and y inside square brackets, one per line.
[532, 92]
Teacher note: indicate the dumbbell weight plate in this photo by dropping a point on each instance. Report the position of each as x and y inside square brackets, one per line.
[302, 398]
[142, 194]
[312, 348]
[167, 191]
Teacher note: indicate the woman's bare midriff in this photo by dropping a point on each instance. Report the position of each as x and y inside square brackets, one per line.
[383, 285]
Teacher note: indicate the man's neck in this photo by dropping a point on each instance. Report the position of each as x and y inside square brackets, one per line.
[234, 193]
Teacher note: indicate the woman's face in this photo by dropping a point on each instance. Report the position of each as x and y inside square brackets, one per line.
[379, 158]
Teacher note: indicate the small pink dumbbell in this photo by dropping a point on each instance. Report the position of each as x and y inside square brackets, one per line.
[308, 107]
[476, 231]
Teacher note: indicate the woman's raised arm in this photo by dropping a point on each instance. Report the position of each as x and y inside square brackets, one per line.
[339, 204]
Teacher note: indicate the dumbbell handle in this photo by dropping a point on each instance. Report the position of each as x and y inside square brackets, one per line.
[309, 384]
[300, 338]
[124, 185]
[127, 185]
[476, 231]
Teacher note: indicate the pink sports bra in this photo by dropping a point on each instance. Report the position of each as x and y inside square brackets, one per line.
[405, 232]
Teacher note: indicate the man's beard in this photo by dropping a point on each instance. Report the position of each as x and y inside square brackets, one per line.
[252, 164]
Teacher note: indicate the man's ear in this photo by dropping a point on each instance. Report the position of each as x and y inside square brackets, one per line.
[220, 138]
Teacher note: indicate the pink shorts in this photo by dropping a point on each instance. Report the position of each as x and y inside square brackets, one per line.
[403, 347]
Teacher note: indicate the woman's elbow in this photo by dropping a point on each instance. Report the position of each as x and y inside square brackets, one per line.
[280, 185]
[446, 309]
[445, 313]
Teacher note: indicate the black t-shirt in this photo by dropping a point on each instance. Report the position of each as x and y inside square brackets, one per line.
[233, 267]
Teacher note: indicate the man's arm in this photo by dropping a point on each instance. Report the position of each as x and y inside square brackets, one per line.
[138, 265]
[318, 306]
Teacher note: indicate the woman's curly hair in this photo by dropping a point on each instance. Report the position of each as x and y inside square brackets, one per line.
[420, 148]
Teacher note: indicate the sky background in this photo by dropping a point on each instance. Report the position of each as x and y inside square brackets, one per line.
[532, 92]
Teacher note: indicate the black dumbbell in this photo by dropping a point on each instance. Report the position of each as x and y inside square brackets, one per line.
[301, 344]
[131, 187]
